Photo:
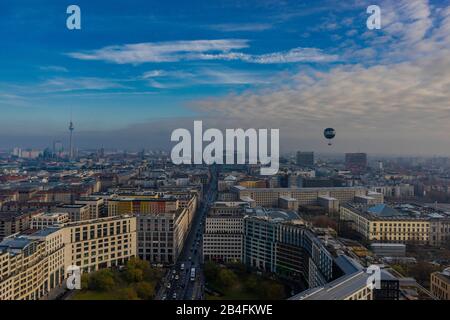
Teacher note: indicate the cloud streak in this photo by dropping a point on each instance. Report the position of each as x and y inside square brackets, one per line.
[198, 50]
[237, 27]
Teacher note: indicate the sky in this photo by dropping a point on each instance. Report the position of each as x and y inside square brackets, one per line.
[139, 69]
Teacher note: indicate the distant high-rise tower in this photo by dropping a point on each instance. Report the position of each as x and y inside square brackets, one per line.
[71, 128]
[356, 162]
[305, 159]
[57, 148]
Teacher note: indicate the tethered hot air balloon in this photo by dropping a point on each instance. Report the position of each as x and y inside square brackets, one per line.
[329, 133]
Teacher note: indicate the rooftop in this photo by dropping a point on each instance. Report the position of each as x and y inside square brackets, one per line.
[272, 215]
[14, 243]
[338, 289]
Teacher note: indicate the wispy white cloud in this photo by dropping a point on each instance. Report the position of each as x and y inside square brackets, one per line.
[408, 101]
[166, 79]
[54, 68]
[236, 27]
[198, 50]
[153, 74]
[63, 84]
[392, 95]
[159, 51]
[229, 76]
[291, 56]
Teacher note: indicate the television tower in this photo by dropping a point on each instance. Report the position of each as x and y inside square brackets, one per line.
[71, 128]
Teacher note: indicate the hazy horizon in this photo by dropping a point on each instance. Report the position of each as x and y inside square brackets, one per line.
[132, 75]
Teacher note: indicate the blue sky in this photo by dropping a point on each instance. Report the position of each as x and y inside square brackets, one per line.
[160, 64]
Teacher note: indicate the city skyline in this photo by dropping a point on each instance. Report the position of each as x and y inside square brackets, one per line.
[132, 75]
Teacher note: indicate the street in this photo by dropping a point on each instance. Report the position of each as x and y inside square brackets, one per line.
[185, 280]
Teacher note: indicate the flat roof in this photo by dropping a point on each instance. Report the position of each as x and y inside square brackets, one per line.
[338, 289]
[14, 243]
[288, 198]
[273, 215]
[45, 232]
[379, 244]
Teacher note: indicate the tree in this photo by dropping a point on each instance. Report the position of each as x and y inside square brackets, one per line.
[227, 278]
[102, 280]
[145, 290]
[211, 271]
[140, 270]
[272, 291]
[85, 281]
[238, 267]
[128, 294]
[324, 222]
[134, 274]
[252, 283]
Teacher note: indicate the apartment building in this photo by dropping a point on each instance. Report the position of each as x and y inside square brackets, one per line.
[439, 230]
[96, 206]
[440, 284]
[12, 222]
[269, 197]
[31, 265]
[224, 232]
[278, 242]
[140, 204]
[101, 243]
[351, 284]
[382, 223]
[76, 212]
[48, 219]
[163, 226]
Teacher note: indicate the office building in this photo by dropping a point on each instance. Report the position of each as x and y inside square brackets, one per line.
[351, 285]
[305, 159]
[440, 284]
[388, 249]
[76, 212]
[163, 226]
[403, 223]
[101, 243]
[12, 222]
[96, 206]
[278, 242]
[33, 263]
[48, 219]
[269, 197]
[356, 162]
[31, 266]
[224, 232]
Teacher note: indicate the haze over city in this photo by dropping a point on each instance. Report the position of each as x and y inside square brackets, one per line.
[133, 74]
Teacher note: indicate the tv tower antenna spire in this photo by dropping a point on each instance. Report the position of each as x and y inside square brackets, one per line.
[71, 128]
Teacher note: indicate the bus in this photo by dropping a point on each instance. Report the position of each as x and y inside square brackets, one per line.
[192, 274]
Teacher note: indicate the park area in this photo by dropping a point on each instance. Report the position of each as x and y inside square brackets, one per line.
[136, 281]
[234, 282]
